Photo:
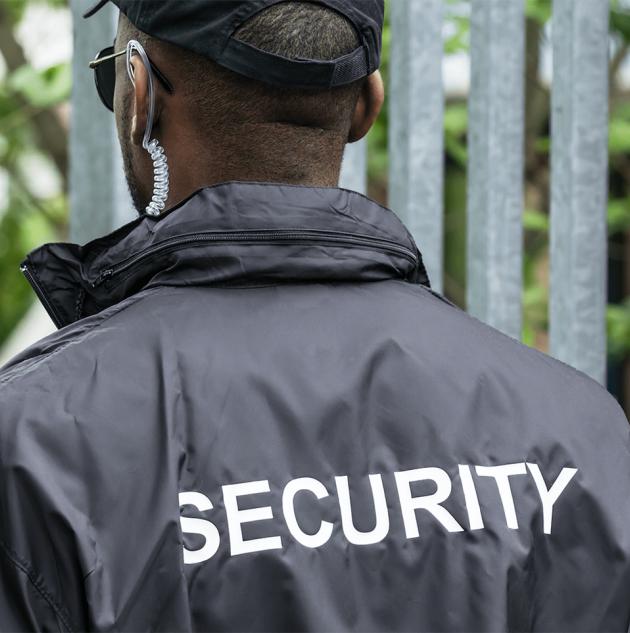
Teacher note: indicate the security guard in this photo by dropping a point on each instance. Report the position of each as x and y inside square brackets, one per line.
[256, 415]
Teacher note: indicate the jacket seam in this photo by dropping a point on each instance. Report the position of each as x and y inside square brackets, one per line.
[125, 276]
[78, 306]
[269, 185]
[56, 315]
[38, 584]
[99, 320]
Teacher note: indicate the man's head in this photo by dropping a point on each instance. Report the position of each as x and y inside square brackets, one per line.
[218, 125]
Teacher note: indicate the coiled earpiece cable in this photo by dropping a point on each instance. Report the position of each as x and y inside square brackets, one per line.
[156, 151]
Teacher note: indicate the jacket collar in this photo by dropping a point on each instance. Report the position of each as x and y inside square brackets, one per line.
[238, 234]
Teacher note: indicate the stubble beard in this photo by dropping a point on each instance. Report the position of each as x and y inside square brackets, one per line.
[133, 183]
[129, 165]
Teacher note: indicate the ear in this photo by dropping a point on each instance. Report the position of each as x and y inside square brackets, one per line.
[139, 100]
[368, 107]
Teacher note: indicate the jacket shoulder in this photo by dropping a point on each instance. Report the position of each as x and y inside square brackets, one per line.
[471, 355]
[67, 412]
[33, 363]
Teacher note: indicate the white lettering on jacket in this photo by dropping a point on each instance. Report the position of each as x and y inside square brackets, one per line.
[199, 526]
[437, 489]
[319, 490]
[236, 518]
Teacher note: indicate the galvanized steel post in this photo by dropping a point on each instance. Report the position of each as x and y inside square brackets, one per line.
[496, 164]
[579, 184]
[417, 126]
[99, 199]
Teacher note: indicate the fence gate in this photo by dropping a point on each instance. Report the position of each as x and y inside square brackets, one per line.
[496, 147]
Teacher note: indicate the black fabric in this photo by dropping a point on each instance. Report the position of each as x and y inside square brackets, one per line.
[207, 26]
[257, 416]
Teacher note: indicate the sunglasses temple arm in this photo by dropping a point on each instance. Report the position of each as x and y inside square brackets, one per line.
[95, 62]
[163, 80]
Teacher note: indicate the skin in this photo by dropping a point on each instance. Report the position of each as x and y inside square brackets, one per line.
[236, 149]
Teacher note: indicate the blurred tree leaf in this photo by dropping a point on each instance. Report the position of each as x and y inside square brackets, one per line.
[618, 215]
[28, 126]
[619, 136]
[15, 9]
[455, 129]
[456, 119]
[460, 40]
[618, 319]
[539, 10]
[620, 22]
[42, 88]
[535, 220]
[543, 145]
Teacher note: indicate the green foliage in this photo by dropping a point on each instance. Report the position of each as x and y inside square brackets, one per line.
[620, 21]
[535, 310]
[17, 8]
[619, 139]
[455, 132]
[535, 220]
[618, 215]
[11, 311]
[21, 229]
[459, 41]
[42, 89]
[618, 318]
[26, 218]
[539, 10]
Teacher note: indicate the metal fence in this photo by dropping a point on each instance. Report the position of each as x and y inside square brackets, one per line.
[496, 159]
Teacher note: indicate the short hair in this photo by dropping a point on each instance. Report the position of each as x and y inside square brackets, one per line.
[292, 29]
[300, 30]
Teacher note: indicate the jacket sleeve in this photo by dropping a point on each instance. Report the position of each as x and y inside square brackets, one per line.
[25, 602]
[37, 557]
[85, 497]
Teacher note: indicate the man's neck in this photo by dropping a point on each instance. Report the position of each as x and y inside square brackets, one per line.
[279, 153]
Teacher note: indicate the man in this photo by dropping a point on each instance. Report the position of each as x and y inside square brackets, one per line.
[256, 415]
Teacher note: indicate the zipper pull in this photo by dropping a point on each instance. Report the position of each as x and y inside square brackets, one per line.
[103, 277]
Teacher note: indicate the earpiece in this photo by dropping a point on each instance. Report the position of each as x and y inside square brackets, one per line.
[156, 151]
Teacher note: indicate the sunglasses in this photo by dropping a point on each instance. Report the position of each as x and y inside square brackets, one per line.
[104, 67]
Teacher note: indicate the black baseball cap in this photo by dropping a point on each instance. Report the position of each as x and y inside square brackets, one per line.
[207, 27]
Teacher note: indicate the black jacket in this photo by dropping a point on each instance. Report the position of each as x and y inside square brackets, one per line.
[257, 416]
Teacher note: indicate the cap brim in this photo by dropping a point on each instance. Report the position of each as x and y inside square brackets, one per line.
[95, 9]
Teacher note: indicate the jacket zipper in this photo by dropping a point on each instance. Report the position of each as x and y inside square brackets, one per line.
[335, 238]
[41, 295]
